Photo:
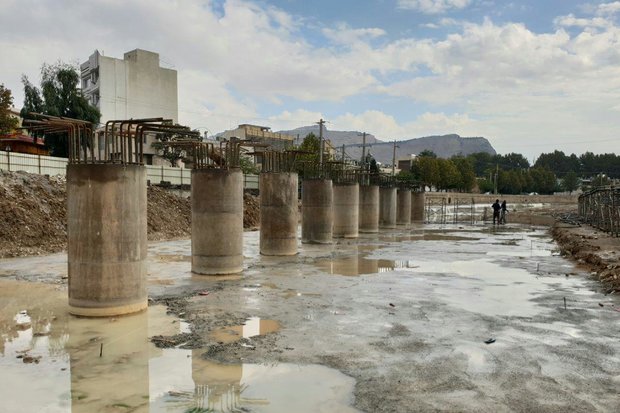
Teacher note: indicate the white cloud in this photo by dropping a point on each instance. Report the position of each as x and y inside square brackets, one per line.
[606, 9]
[386, 127]
[346, 35]
[572, 21]
[433, 6]
[506, 81]
[290, 120]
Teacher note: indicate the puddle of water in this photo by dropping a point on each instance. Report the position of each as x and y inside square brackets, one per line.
[63, 367]
[358, 265]
[294, 293]
[427, 237]
[203, 384]
[254, 326]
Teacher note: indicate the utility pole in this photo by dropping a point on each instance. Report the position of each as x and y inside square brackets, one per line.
[343, 153]
[394, 159]
[321, 123]
[363, 135]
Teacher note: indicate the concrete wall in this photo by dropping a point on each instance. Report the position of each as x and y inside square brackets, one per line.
[510, 199]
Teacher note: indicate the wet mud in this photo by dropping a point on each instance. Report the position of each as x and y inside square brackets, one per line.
[393, 322]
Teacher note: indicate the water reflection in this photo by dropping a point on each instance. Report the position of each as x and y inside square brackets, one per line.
[184, 381]
[359, 264]
[254, 326]
[63, 367]
[109, 363]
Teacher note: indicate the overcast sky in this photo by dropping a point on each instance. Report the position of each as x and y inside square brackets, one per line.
[531, 75]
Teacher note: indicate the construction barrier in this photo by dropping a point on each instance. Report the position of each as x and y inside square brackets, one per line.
[50, 165]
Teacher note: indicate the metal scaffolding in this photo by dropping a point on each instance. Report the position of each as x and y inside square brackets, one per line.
[600, 208]
[443, 211]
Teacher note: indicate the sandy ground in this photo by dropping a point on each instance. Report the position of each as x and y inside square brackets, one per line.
[396, 321]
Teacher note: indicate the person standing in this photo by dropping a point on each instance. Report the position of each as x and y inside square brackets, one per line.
[502, 214]
[496, 208]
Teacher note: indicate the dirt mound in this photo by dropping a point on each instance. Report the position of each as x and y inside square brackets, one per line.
[33, 214]
[594, 249]
[169, 216]
[251, 211]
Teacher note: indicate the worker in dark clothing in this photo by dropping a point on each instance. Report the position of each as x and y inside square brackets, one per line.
[496, 208]
[502, 213]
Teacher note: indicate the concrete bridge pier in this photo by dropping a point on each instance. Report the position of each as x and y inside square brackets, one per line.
[369, 208]
[417, 207]
[387, 207]
[278, 213]
[346, 210]
[106, 239]
[317, 211]
[403, 206]
[217, 221]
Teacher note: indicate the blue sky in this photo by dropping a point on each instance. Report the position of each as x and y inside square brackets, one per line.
[530, 76]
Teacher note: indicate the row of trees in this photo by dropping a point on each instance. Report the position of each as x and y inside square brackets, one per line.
[478, 172]
[585, 165]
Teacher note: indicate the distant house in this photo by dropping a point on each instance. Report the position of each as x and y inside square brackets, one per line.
[260, 134]
[405, 164]
[17, 142]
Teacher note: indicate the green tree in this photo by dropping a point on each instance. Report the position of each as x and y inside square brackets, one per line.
[467, 177]
[570, 182]
[512, 161]
[543, 181]
[427, 153]
[481, 162]
[449, 176]
[8, 122]
[59, 96]
[310, 145]
[558, 162]
[426, 170]
[247, 165]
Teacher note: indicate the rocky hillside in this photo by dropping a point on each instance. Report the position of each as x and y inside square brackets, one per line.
[33, 214]
[444, 146]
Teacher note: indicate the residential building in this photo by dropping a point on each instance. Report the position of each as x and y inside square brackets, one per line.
[260, 134]
[18, 141]
[133, 87]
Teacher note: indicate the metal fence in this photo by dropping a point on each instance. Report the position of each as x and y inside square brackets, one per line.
[50, 165]
[444, 211]
[600, 208]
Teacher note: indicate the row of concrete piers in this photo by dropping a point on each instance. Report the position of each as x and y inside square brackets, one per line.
[343, 210]
[107, 245]
[107, 210]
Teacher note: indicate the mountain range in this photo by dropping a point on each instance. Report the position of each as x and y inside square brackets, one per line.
[444, 146]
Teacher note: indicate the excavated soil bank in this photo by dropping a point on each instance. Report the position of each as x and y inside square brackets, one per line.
[33, 214]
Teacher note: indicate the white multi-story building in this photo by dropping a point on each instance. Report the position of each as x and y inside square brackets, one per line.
[134, 87]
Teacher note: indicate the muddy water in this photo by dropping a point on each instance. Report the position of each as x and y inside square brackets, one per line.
[409, 328]
[53, 362]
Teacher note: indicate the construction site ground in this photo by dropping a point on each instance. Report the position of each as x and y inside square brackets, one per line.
[450, 317]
